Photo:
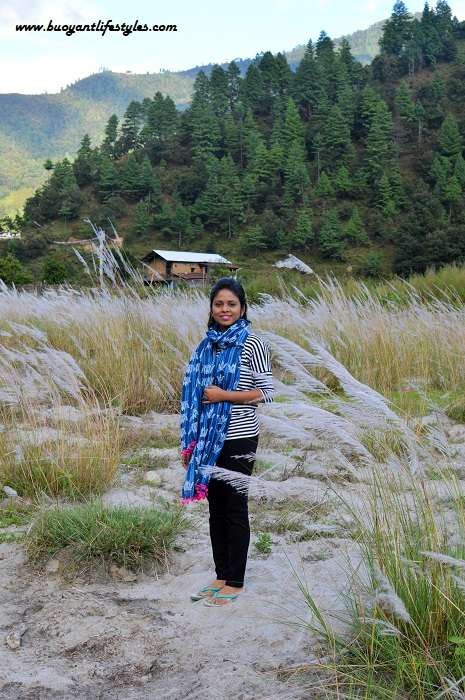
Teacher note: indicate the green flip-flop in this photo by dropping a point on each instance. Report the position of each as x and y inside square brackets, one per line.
[199, 596]
[215, 596]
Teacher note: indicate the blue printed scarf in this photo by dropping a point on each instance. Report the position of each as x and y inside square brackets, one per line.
[204, 426]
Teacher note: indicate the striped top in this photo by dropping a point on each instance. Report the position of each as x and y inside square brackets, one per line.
[255, 373]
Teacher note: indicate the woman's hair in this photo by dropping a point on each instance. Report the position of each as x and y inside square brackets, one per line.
[235, 287]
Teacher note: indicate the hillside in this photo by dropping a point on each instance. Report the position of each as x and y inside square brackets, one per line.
[349, 167]
[36, 127]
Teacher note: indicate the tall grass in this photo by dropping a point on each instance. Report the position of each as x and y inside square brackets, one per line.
[134, 350]
[56, 437]
[406, 610]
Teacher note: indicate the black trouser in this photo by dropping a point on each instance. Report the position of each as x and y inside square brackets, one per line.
[229, 515]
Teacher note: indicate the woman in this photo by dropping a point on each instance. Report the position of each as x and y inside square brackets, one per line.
[229, 373]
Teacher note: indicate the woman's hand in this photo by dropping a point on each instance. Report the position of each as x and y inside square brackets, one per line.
[213, 394]
[185, 460]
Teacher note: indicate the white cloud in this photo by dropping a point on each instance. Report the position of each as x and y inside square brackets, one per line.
[19, 76]
[458, 9]
[41, 12]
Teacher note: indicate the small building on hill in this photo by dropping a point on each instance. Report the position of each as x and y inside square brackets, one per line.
[9, 235]
[173, 266]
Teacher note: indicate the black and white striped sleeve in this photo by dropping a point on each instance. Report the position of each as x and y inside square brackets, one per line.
[260, 364]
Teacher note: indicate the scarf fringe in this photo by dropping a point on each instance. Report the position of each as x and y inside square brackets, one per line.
[200, 493]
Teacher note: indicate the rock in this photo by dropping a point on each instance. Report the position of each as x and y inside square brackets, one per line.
[9, 491]
[456, 432]
[426, 421]
[122, 574]
[152, 478]
[52, 566]
[294, 263]
[13, 639]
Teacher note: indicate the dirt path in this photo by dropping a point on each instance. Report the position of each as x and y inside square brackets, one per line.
[146, 639]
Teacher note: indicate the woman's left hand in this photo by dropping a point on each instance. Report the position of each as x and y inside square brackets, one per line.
[213, 394]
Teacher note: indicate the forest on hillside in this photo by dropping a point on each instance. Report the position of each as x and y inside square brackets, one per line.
[333, 161]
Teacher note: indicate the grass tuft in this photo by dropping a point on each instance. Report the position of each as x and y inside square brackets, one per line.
[126, 536]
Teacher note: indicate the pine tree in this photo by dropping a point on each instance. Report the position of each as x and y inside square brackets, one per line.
[252, 91]
[130, 127]
[430, 40]
[354, 231]
[231, 137]
[452, 193]
[253, 240]
[292, 130]
[147, 183]
[231, 195]
[181, 224]
[206, 134]
[302, 235]
[283, 75]
[85, 164]
[130, 178]
[250, 138]
[208, 205]
[420, 117]
[160, 131]
[331, 235]
[219, 91]
[369, 106]
[405, 105]
[379, 145]
[108, 181]
[307, 86]
[397, 30]
[385, 197]
[65, 187]
[335, 137]
[439, 172]
[450, 140]
[233, 77]
[259, 174]
[163, 220]
[296, 179]
[324, 187]
[459, 170]
[111, 133]
[325, 58]
[342, 182]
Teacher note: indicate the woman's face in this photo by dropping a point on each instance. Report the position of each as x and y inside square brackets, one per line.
[226, 308]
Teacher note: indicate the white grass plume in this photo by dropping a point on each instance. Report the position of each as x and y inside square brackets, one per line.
[386, 598]
[444, 559]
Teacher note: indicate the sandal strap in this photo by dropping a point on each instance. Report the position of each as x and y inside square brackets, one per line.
[209, 588]
[217, 595]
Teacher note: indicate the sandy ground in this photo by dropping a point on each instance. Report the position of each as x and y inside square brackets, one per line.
[104, 638]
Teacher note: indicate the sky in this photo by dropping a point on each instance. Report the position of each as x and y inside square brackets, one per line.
[208, 31]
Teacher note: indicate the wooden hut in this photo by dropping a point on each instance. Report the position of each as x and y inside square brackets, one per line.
[173, 266]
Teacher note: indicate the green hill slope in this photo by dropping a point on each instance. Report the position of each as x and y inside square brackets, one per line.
[36, 127]
[353, 167]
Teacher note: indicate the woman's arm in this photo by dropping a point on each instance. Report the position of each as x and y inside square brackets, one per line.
[213, 394]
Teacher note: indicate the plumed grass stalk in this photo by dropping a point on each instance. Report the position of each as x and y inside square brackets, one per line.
[41, 450]
[408, 605]
[123, 339]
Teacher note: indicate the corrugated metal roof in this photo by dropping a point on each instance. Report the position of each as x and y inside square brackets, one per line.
[185, 256]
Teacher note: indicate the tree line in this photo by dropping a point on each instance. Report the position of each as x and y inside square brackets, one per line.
[331, 157]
